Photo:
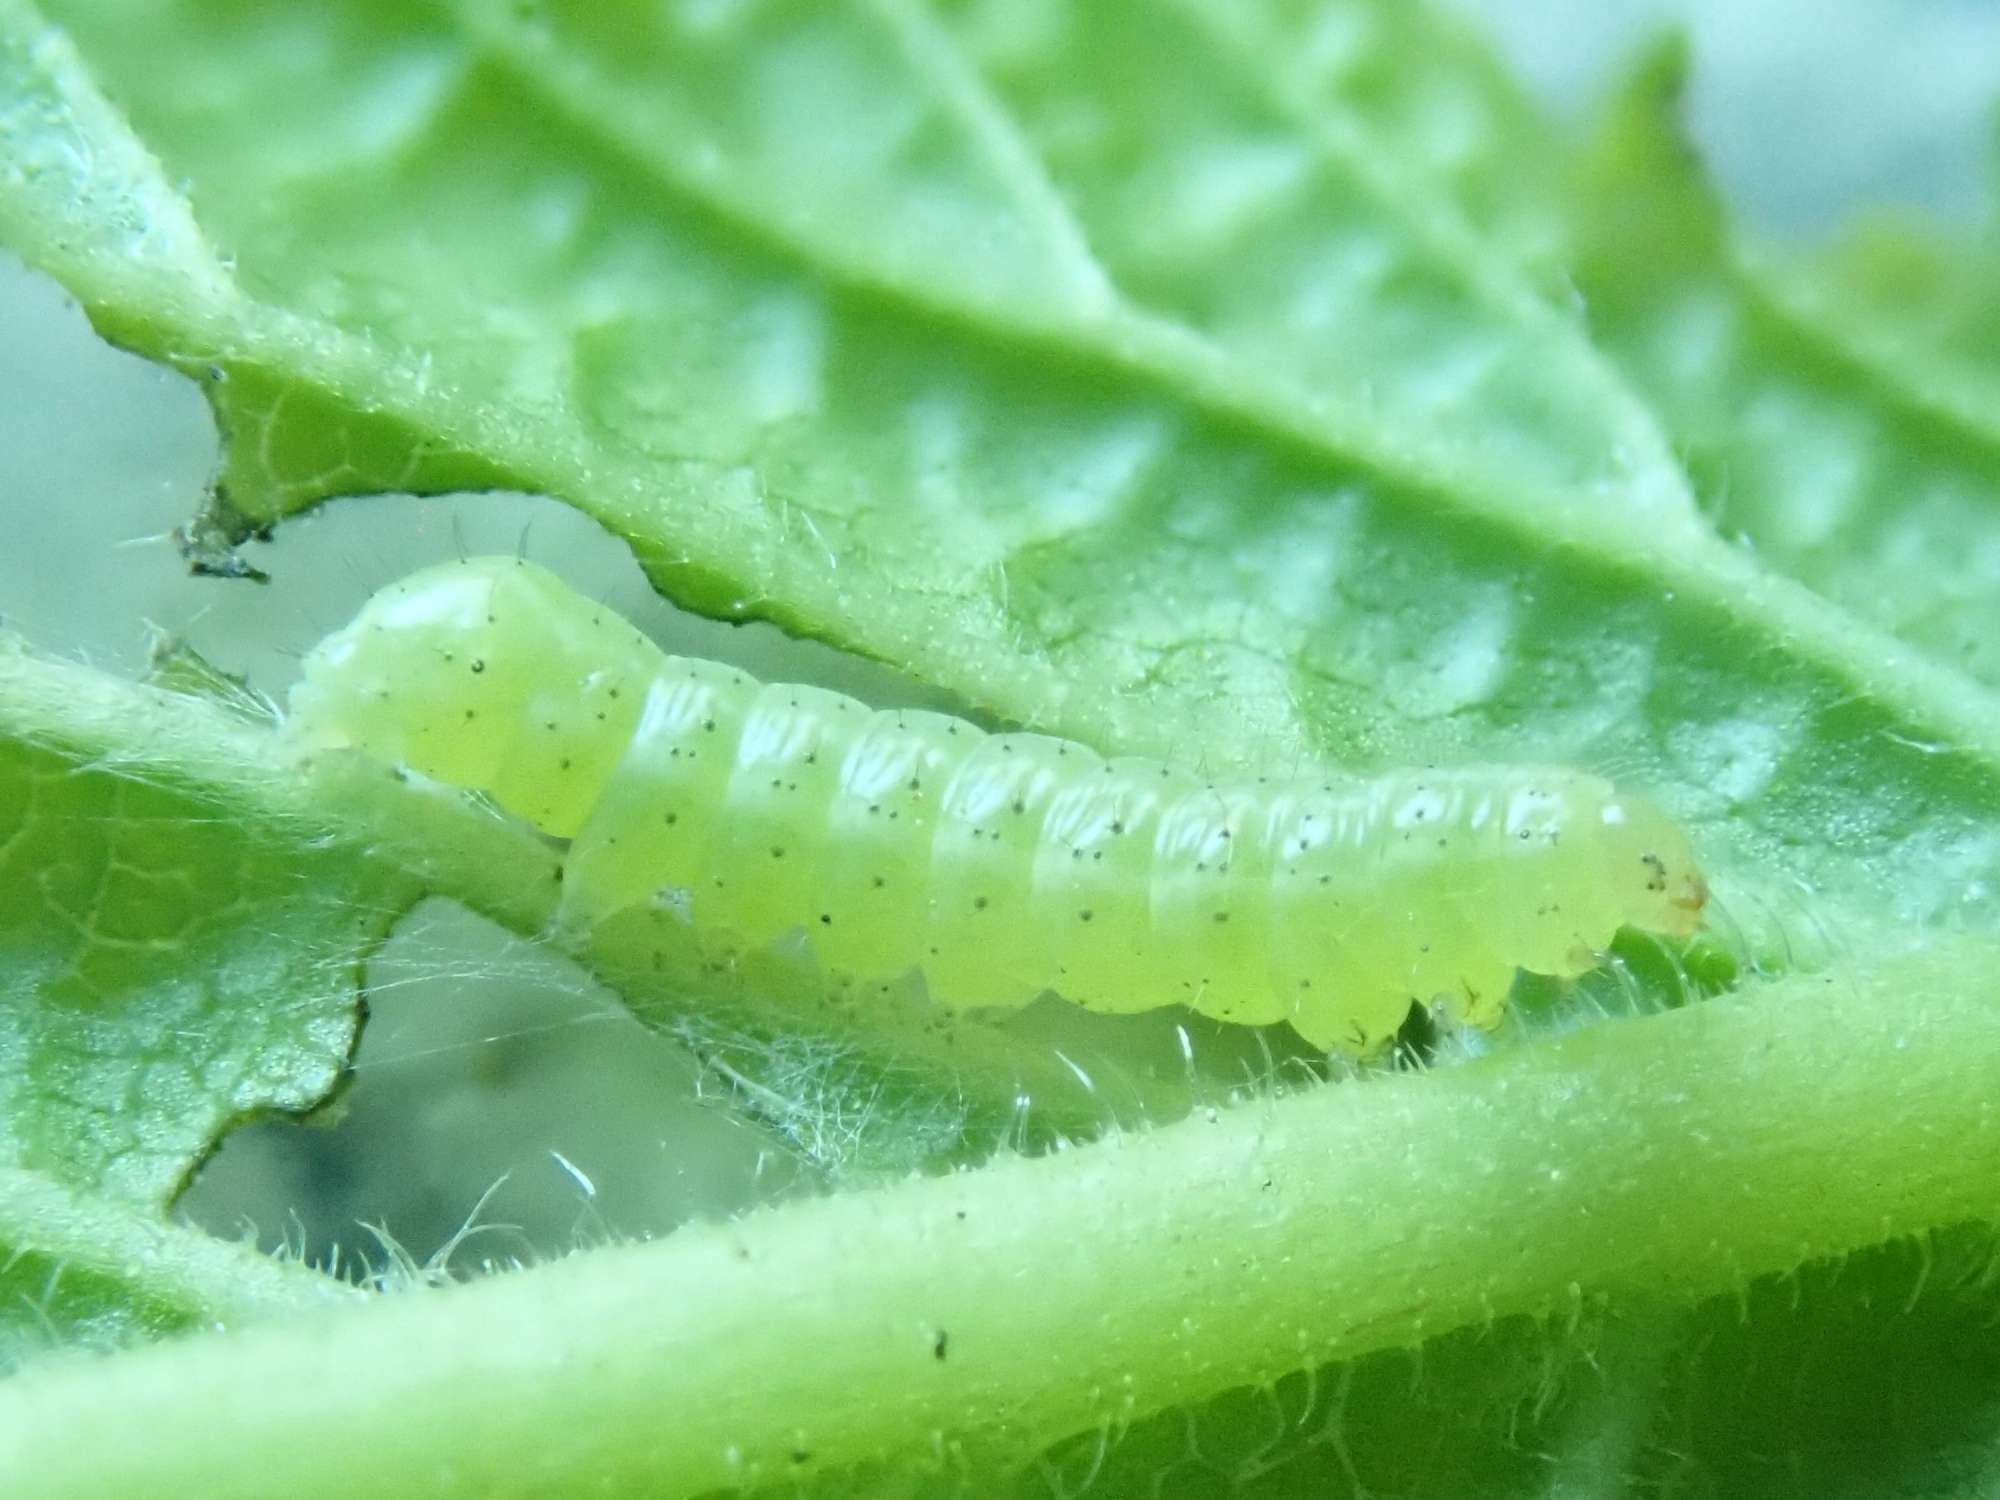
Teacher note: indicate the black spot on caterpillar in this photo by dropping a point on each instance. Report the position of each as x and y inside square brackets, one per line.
[1002, 865]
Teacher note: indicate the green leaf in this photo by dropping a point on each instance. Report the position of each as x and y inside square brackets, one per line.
[1908, 296]
[1130, 151]
[168, 969]
[183, 926]
[1835, 409]
[174, 956]
[1427, 93]
[1818, 431]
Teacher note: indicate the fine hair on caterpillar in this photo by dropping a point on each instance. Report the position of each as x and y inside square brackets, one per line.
[1000, 865]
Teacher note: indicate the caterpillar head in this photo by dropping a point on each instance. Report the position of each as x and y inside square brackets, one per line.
[1653, 865]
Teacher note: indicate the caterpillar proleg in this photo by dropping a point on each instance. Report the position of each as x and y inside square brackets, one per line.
[1001, 865]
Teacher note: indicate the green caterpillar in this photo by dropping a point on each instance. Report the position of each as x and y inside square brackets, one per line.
[1002, 865]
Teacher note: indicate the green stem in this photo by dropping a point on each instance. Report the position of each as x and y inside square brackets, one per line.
[975, 1318]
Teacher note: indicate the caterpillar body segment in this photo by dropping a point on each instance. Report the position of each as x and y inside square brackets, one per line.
[483, 674]
[1001, 865]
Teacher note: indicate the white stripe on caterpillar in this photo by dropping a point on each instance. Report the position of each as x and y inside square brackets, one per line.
[1000, 864]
